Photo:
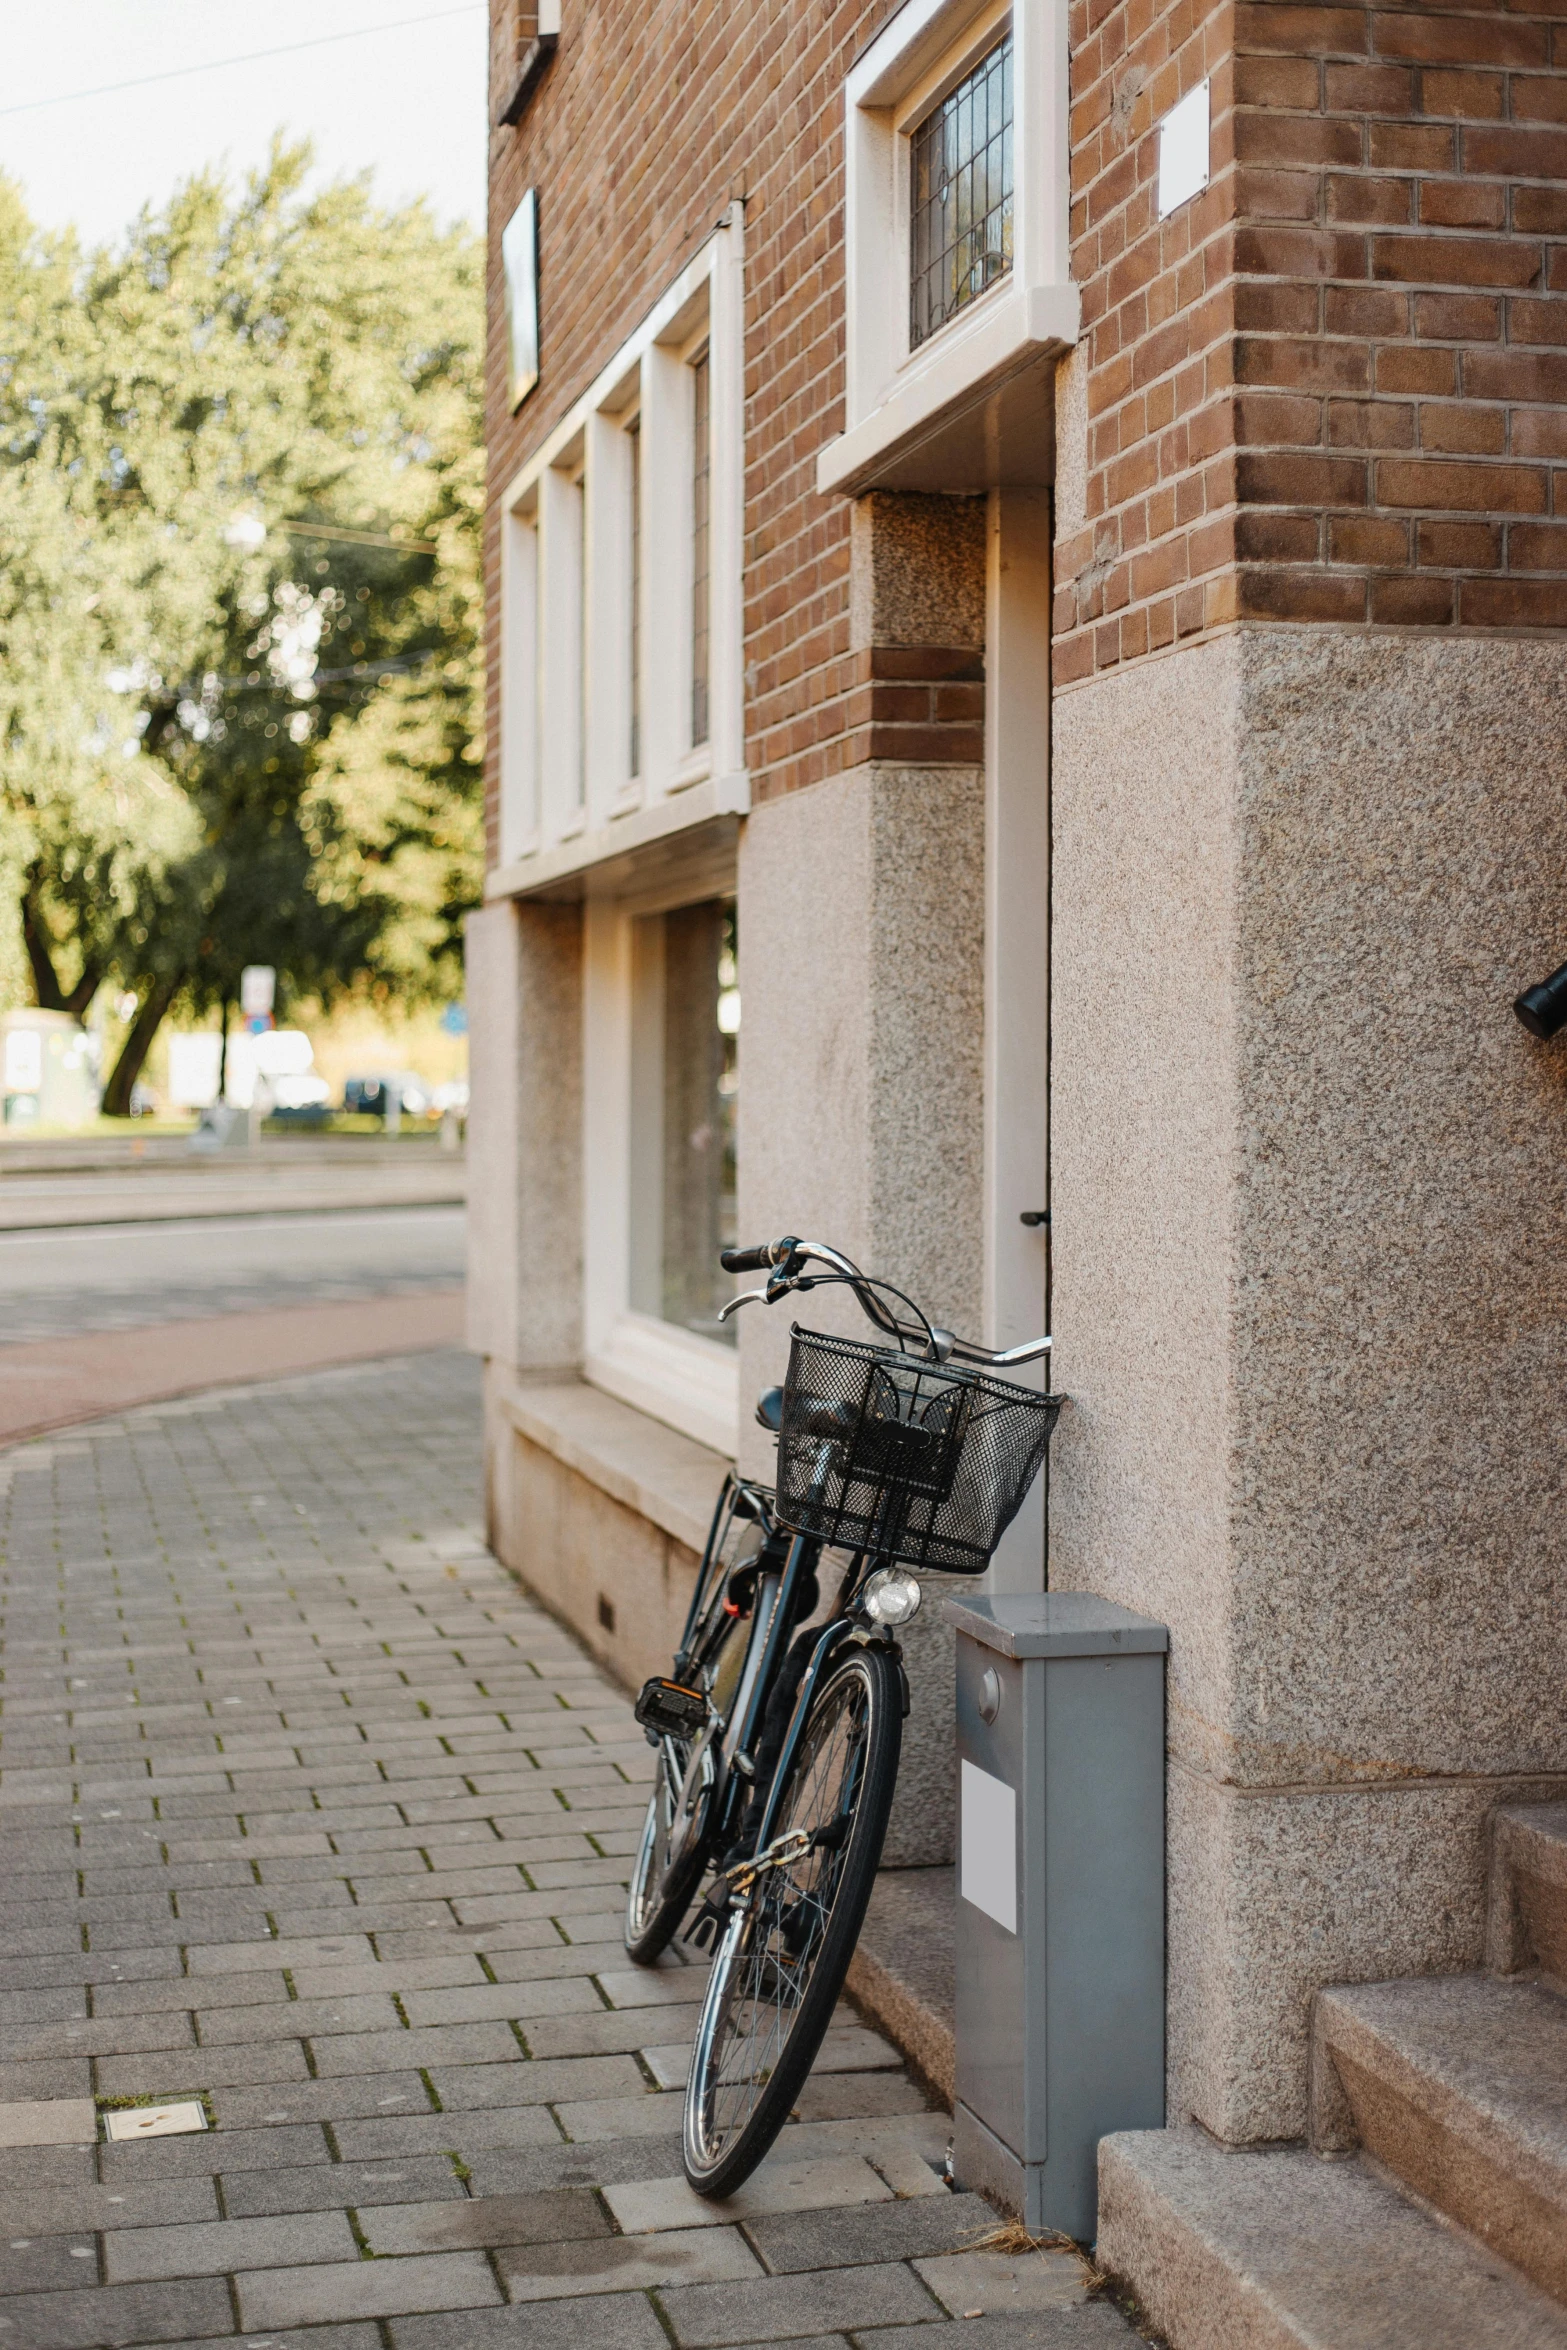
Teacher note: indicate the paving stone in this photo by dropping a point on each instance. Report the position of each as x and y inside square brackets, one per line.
[351, 2095]
[999, 2285]
[350, 2337]
[336, 2186]
[185, 2072]
[45, 2264]
[207, 2152]
[220, 2247]
[365, 2288]
[534, 2081]
[464, 2134]
[45, 2210]
[858, 2097]
[681, 2258]
[485, 2220]
[1095, 2326]
[775, 2308]
[554, 1996]
[196, 2307]
[886, 2231]
[622, 2117]
[608, 2029]
[619, 2321]
[780, 2183]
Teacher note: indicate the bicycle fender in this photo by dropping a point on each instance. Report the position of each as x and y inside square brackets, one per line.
[832, 1638]
[857, 1637]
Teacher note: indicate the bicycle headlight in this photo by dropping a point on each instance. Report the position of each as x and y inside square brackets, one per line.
[891, 1596]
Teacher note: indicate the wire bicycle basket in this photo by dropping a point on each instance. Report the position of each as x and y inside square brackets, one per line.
[919, 1461]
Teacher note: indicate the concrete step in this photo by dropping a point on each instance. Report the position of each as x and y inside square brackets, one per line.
[1281, 2250]
[1526, 1924]
[1458, 2083]
[900, 1977]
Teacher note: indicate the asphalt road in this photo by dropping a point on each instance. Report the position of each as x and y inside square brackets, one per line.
[84, 1278]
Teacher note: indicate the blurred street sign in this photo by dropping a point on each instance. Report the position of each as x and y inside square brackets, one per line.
[455, 1019]
[257, 990]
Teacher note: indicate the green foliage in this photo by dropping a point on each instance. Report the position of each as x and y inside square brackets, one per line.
[241, 484]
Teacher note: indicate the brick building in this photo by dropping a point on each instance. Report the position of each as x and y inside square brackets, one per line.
[1032, 562]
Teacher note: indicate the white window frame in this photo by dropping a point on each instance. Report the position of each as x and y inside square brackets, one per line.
[553, 598]
[688, 1382]
[895, 395]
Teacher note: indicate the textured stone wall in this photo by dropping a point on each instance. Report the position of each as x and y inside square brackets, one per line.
[1309, 1195]
[861, 966]
[1330, 387]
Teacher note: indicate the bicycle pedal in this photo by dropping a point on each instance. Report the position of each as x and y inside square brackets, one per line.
[671, 1710]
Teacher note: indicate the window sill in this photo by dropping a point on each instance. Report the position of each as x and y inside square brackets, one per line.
[721, 797]
[689, 1383]
[929, 431]
[635, 1459]
[530, 71]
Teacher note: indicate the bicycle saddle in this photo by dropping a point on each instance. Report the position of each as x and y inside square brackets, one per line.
[769, 1410]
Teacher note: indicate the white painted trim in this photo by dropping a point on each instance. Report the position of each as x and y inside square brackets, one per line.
[685, 1381]
[619, 835]
[688, 1382]
[895, 395]
[1017, 961]
[541, 686]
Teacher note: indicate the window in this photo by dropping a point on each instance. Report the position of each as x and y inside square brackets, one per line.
[661, 1024]
[701, 574]
[956, 241]
[631, 677]
[685, 1085]
[960, 201]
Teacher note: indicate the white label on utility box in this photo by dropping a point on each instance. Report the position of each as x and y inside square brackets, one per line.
[987, 1846]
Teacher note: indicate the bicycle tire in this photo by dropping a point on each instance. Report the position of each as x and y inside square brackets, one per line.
[659, 1894]
[736, 2106]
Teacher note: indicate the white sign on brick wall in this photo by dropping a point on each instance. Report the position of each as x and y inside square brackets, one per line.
[1184, 151]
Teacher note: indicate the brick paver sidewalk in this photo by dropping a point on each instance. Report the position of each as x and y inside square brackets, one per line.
[306, 1811]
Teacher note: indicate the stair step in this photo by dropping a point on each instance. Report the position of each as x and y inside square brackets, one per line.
[1458, 2083]
[1527, 1924]
[1281, 2250]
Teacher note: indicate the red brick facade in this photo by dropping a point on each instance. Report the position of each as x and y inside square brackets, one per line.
[1330, 387]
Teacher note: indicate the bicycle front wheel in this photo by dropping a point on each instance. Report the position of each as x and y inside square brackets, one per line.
[784, 1954]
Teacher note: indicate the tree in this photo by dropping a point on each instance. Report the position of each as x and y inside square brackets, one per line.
[262, 423]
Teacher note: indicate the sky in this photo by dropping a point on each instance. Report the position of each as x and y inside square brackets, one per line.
[403, 93]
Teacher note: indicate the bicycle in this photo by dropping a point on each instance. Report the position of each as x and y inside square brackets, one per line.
[777, 1747]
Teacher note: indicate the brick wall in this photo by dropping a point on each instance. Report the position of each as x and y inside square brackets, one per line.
[1330, 387]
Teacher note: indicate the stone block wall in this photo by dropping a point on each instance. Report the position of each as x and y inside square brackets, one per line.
[1329, 388]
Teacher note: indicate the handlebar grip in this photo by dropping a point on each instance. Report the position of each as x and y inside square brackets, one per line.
[747, 1260]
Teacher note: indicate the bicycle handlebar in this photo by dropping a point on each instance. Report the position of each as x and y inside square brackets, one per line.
[749, 1260]
[786, 1259]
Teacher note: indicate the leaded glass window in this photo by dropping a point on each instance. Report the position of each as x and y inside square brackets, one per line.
[960, 210]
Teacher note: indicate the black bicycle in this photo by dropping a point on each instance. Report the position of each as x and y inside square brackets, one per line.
[777, 1746]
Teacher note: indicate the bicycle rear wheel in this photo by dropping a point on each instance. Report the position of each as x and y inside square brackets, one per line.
[673, 1851]
[784, 1954]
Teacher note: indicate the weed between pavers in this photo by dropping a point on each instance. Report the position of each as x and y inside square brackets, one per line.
[1011, 2237]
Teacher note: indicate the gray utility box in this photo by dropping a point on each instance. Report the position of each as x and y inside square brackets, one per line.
[1060, 1912]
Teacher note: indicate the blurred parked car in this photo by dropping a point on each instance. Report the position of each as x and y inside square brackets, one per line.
[371, 1097]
